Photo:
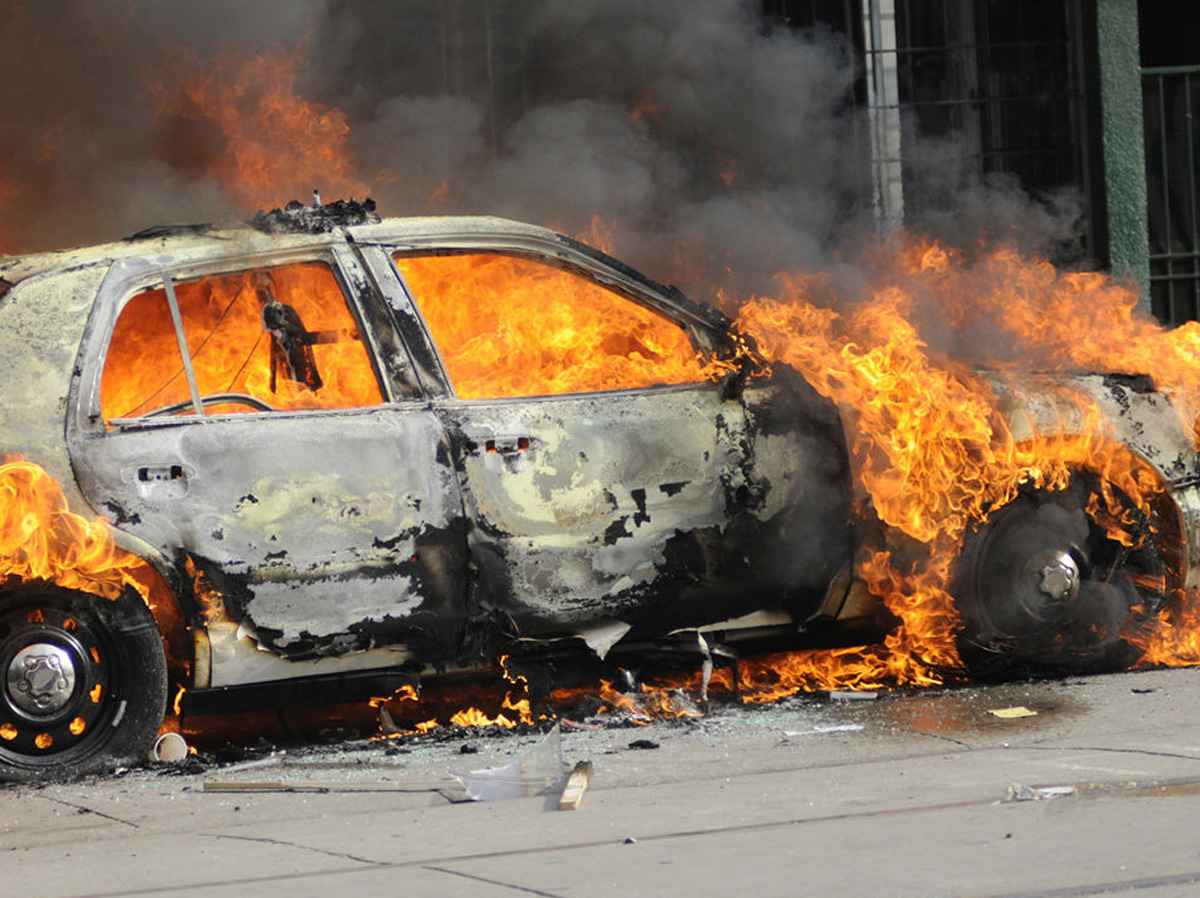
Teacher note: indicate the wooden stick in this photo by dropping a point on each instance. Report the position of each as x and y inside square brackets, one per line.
[577, 783]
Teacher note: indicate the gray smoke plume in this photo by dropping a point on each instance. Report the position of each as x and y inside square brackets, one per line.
[718, 148]
[707, 140]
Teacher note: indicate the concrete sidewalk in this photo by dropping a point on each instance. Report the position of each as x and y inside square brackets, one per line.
[902, 796]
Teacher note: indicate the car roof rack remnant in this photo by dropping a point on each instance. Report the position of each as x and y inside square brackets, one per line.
[319, 218]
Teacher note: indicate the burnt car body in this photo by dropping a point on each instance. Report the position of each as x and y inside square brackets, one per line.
[335, 512]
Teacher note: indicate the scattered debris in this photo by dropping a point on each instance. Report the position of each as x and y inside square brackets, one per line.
[706, 669]
[1021, 792]
[387, 724]
[568, 724]
[577, 784]
[821, 730]
[847, 695]
[169, 748]
[1012, 713]
[536, 772]
[319, 218]
[643, 743]
[275, 760]
[603, 636]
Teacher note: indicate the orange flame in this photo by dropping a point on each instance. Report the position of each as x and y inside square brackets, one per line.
[647, 703]
[208, 597]
[599, 233]
[240, 120]
[572, 335]
[929, 446]
[473, 717]
[1175, 640]
[42, 540]
[230, 350]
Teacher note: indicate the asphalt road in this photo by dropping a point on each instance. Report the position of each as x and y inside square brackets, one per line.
[927, 794]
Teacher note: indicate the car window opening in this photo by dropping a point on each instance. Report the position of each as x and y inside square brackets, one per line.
[281, 338]
[509, 325]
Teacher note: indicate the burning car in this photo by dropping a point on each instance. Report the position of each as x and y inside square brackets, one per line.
[334, 454]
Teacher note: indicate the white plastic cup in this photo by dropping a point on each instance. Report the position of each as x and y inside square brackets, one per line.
[169, 748]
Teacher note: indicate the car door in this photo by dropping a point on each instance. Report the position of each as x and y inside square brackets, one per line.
[287, 453]
[598, 460]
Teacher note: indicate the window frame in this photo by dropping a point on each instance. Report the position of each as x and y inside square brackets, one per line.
[131, 277]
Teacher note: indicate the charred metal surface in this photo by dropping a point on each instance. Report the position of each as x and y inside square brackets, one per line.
[403, 322]
[352, 686]
[585, 509]
[42, 321]
[571, 520]
[1144, 420]
[402, 378]
[350, 536]
[797, 531]
[297, 218]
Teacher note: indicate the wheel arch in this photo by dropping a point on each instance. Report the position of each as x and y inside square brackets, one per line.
[1144, 423]
[170, 599]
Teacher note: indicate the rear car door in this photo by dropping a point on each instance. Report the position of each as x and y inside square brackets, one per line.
[287, 454]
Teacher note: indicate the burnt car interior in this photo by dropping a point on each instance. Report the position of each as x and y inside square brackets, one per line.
[508, 325]
[278, 338]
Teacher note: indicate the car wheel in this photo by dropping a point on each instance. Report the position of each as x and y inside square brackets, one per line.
[83, 682]
[1043, 588]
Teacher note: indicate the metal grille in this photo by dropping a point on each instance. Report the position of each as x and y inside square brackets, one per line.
[1171, 100]
[997, 78]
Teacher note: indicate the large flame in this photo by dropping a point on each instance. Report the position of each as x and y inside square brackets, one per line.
[240, 120]
[929, 446]
[510, 326]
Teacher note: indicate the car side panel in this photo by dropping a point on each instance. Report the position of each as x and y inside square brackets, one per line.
[43, 320]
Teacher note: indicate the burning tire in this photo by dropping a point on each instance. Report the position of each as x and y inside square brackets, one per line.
[1044, 587]
[83, 682]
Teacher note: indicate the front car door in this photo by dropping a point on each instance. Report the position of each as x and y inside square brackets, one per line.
[599, 461]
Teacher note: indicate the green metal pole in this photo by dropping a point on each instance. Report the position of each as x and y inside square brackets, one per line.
[1123, 141]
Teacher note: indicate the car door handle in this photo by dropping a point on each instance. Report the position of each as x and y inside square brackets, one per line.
[501, 446]
[161, 473]
[159, 482]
